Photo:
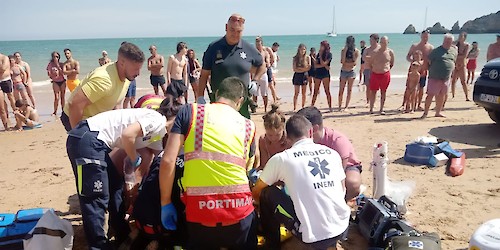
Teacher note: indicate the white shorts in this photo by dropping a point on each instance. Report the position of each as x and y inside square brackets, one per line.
[263, 85]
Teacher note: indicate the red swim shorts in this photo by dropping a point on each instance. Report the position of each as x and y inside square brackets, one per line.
[380, 81]
[472, 64]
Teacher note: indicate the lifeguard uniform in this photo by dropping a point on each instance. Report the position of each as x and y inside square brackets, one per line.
[224, 60]
[97, 181]
[315, 212]
[103, 88]
[219, 205]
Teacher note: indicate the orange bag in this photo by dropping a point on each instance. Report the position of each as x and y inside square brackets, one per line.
[457, 166]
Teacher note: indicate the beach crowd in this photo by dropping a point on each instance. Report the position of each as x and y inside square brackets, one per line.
[197, 170]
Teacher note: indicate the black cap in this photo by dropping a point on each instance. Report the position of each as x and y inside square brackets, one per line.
[426, 31]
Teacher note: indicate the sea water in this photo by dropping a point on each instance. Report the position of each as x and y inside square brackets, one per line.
[88, 51]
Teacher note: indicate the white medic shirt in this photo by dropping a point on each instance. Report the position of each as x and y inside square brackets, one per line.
[313, 174]
[111, 124]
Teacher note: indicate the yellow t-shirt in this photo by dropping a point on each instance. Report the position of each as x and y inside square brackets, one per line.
[103, 88]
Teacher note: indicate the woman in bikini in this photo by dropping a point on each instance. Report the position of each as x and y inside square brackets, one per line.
[194, 70]
[322, 66]
[349, 57]
[472, 63]
[18, 78]
[55, 72]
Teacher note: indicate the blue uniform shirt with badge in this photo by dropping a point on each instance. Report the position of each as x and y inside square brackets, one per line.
[224, 60]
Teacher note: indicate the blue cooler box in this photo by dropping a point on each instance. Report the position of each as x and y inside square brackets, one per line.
[418, 153]
[13, 227]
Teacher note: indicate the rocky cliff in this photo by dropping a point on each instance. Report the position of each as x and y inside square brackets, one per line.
[438, 29]
[410, 30]
[485, 24]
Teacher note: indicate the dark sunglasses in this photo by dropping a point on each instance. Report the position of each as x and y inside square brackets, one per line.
[240, 20]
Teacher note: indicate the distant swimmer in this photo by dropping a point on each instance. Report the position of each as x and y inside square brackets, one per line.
[104, 59]
[381, 63]
[156, 62]
[425, 47]
[177, 76]
[71, 70]
[459, 72]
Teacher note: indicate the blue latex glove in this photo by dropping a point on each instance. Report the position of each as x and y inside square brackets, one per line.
[253, 175]
[135, 162]
[169, 217]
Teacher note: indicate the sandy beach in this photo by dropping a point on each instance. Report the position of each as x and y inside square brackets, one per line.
[36, 171]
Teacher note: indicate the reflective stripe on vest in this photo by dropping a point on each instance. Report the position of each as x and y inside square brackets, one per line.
[216, 190]
[216, 156]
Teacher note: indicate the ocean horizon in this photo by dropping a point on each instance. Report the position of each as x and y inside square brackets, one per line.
[88, 50]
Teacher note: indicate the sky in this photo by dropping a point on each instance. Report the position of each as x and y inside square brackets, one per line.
[58, 19]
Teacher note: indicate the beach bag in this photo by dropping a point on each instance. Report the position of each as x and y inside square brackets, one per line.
[418, 153]
[456, 166]
[14, 227]
[51, 232]
[414, 241]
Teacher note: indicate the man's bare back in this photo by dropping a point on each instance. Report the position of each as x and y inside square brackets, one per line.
[493, 50]
[4, 67]
[266, 59]
[382, 60]
[155, 64]
[176, 65]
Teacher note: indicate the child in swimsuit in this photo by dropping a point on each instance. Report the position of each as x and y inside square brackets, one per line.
[25, 116]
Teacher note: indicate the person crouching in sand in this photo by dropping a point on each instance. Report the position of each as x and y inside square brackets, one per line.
[25, 115]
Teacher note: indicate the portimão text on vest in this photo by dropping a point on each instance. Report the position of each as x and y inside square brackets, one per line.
[226, 203]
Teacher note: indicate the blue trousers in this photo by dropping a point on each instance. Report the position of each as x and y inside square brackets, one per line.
[99, 186]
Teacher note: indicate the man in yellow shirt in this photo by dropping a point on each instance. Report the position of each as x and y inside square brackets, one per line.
[104, 87]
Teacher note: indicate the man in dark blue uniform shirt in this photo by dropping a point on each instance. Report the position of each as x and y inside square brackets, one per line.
[230, 56]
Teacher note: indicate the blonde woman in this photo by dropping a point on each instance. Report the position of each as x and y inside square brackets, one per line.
[301, 65]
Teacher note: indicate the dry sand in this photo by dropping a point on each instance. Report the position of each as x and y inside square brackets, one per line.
[36, 171]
